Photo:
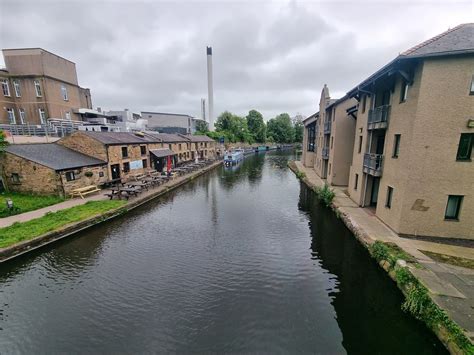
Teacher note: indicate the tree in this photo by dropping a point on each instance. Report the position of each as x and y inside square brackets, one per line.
[299, 128]
[281, 129]
[233, 127]
[256, 126]
[201, 127]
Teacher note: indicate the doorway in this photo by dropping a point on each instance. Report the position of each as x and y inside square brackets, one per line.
[374, 194]
[115, 169]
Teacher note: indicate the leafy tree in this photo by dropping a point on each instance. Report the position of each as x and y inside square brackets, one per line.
[233, 127]
[281, 129]
[299, 127]
[201, 127]
[256, 126]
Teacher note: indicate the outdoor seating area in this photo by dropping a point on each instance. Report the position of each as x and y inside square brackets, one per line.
[84, 191]
[144, 182]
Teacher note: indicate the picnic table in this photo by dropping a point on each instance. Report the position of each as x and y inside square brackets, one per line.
[138, 184]
[120, 192]
[84, 191]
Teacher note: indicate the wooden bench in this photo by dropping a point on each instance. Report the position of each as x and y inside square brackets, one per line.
[84, 191]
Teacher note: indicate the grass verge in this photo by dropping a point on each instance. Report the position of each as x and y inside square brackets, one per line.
[19, 232]
[417, 299]
[25, 203]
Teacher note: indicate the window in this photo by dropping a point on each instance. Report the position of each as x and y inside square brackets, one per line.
[70, 176]
[364, 103]
[38, 88]
[404, 91]
[169, 145]
[205, 144]
[453, 207]
[11, 115]
[356, 182]
[332, 141]
[22, 116]
[15, 178]
[124, 152]
[68, 115]
[16, 86]
[311, 135]
[360, 145]
[472, 86]
[42, 115]
[64, 92]
[143, 149]
[388, 202]
[179, 146]
[465, 147]
[396, 146]
[5, 87]
[126, 167]
[145, 163]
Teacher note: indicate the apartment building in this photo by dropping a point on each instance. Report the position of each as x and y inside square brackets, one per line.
[172, 123]
[37, 85]
[413, 143]
[329, 138]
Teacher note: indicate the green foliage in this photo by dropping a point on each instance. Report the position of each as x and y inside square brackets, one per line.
[417, 299]
[325, 194]
[201, 127]
[3, 141]
[300, 175]
[299, 128]
[281, 129]
[24, 203]
[233, 128]
[256, 126]
[19, 232]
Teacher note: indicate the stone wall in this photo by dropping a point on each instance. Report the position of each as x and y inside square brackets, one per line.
[81, 142]
[99, 177]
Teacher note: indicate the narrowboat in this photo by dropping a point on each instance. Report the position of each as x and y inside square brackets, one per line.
[233, 157]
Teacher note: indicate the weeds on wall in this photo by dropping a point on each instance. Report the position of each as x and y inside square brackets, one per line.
[325, 194]
[300, 175]
[417, 299]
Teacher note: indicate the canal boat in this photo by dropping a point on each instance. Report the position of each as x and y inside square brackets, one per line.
[261, 148]
[233, 157]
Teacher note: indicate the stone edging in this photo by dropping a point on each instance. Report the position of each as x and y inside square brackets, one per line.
[26, 246]
[361, 235]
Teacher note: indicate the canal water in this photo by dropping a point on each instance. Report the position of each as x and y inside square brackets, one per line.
[239, 260]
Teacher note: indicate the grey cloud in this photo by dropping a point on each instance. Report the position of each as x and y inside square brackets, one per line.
[271, 56]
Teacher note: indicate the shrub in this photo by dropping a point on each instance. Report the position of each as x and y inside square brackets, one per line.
[300, 175]
[325, 194]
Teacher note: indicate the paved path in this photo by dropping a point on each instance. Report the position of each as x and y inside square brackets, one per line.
[23, 217]
[451, 287]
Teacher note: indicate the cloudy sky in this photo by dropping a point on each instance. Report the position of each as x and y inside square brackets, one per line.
[271, 56]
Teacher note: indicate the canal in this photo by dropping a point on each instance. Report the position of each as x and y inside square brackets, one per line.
[239, 260]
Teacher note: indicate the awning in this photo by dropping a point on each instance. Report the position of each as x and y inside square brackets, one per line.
[161, 153]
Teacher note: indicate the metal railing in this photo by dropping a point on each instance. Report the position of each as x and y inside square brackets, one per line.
[378, 117]
[325, 152]
[29, 130]
[373, 164]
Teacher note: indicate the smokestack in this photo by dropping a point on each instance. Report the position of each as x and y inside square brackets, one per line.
[210, 91]
[203, 109]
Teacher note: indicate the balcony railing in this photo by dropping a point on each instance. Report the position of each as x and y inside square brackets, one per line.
[373, 164]
[378, 117]
[327, 127]
[325, 152]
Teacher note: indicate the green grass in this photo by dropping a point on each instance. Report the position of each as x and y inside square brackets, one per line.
[24, 203]
[19, 232]
[449, 259]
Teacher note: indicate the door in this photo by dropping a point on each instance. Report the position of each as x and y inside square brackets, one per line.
[375, 191]
[115, 171]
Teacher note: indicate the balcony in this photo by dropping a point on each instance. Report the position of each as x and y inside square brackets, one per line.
[373, 164]
[325, 153]
[378, 117]
[327, 127]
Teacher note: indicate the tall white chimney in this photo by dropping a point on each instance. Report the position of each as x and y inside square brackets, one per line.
[210, 91]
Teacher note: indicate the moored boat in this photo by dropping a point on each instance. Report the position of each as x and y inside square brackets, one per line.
[233, 157]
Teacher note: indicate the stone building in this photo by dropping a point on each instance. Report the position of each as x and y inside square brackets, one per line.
[49, 169]
[412, 144]
[412, 153]
[176, 143]
[201, 146]
[126, 154]
[329, 138]
[37, 85]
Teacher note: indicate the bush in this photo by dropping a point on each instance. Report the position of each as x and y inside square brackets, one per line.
[300, 175]
[325, 194]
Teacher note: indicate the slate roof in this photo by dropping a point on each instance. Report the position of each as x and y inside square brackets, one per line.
[52, 155]
[197, 138]
[166, 137]
[116, 138]
[161, 153]
[459, 39]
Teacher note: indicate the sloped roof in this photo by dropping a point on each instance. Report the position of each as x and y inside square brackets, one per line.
[197, 138]
[459, 39]
[166, 137]
[53, 155]
[161, 153]
[111, 138]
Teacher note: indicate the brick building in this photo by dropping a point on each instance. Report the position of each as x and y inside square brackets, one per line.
[50, 169]
[37, 85]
